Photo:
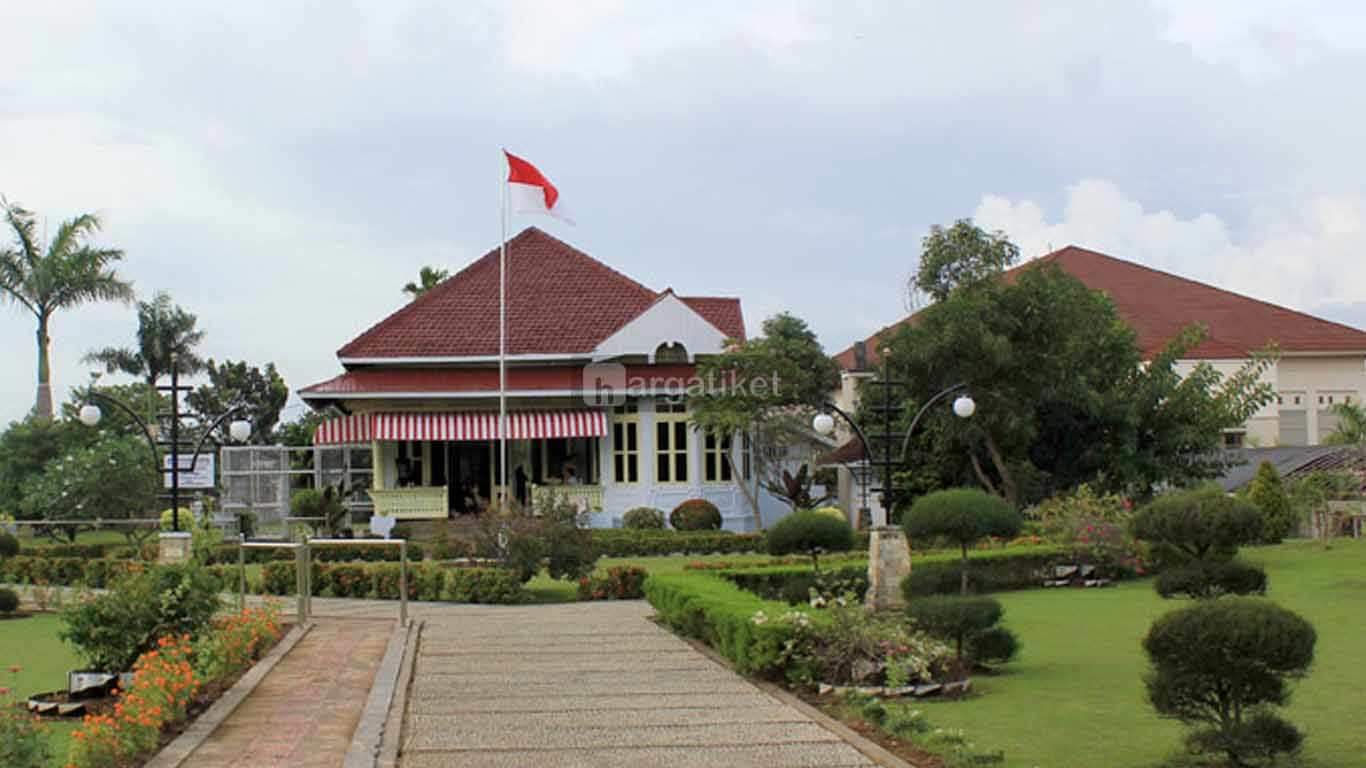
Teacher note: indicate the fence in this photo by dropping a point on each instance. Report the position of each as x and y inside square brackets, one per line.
[303, 563]
[261, 479]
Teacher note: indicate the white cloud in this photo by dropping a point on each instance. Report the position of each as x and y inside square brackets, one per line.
[1304, 257]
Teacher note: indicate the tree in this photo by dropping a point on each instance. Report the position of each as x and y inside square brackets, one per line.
[65, 275]
[810, 532]
[1267, 493]
[427, 279]
[1063, 394]
[1351, 429]
[960, 256]
[112, 478]
[299, 432]
[264, 393]
[964, 516]
[1222, 665]
[1195, 536]
[164, 330]
[969, 623]
[25, 448]
[766, 388]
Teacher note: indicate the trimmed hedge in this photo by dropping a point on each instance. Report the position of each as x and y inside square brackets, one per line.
[792, 584]
[624, 542]
[621, 582]
[695, 515]
[721, 614]
[995, 570]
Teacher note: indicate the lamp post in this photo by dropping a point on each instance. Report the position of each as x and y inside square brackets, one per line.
[239, 430]
[889, 557]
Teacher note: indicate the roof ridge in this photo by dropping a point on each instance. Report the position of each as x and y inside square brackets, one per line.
[1174, 276]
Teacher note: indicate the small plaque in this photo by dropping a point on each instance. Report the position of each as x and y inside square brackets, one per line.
[382, 524]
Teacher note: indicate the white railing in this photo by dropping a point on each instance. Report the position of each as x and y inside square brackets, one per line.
[423, 503]
[588, 498]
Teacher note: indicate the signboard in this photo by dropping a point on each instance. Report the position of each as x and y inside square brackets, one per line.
[200, 478]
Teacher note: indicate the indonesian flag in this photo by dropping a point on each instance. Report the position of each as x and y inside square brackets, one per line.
[531, 192]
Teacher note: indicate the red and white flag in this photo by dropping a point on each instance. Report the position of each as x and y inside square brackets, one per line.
[530, 191]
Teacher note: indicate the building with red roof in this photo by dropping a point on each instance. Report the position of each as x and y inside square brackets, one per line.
[597, 369]
[1321, 363]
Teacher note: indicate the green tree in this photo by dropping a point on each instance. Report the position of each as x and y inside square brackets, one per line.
[264, 393]
[1063, 395]
[766, 388]
[66, 274]
[960, 256]
[1222, 666]
[1351, 429]
[1267, 493]
[114, 421]
[165, 331]
[110, 479]
[427, 279]
[1195, 535]
[810, 532]
[25, 448]
[964, 516]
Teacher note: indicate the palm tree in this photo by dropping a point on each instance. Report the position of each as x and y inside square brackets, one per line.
[65, 275]
[1351, 428]
[427, 279]
[164, 330]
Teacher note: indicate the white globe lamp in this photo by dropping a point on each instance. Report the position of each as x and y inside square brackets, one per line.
[240, 430]
[89, 415]
[964, 407]
[824, 424]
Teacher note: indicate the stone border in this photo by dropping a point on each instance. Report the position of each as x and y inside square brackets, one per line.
[869, 748]
[174, 754]
[376, 739]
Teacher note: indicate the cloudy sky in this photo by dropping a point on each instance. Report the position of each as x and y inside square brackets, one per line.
[283, 168]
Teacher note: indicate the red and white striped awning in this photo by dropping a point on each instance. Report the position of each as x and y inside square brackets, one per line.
[522, 425]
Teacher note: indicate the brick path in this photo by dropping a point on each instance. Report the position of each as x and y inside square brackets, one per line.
[304, 712]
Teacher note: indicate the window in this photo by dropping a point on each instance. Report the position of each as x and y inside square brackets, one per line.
[1234, 439]
[625, 445]
[715, 466]
[671, 441]
[671, 353]
[746, 457]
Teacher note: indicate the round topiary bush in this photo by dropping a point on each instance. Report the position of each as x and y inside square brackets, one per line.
[695, 515]
[969, 623]
[963, 516]
[831, 511]
[9, 546]
[1221, 665]
[643, 518]
[9, 601]
[1200, 580]
[811, 532]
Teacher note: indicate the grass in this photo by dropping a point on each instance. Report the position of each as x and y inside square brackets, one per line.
[32, 645]
[1075, 695]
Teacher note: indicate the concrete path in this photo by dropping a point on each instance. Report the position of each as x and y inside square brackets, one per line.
[304, 712]
[594, 684]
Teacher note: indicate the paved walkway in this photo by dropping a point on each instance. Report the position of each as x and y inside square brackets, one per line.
[593, 684]
[304, 712]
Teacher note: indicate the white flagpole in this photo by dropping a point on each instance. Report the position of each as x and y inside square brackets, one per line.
[502, 343]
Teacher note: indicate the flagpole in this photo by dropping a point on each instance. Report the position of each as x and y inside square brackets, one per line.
[502, 343]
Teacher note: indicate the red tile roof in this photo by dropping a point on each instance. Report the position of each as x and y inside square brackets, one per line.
[393, 380]
[1159, 304]
[560, 300]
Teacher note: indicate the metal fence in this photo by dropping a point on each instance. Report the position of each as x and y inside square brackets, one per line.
[262, 479]
[303, 564]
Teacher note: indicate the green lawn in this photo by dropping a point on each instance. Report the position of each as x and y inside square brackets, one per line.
[1075, 696]
[32, 645]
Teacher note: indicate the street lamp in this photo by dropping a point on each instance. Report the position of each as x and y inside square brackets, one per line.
[888, 554]
[238, 430]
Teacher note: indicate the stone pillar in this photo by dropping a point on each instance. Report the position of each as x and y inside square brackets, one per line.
[889, 562]
[174, 547]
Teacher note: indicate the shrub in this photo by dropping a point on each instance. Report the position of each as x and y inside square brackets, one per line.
[1221, 665]
[856, 647]
[794, 585]
[482, 585]
[1267, 493]
[24, 741]
[112, 629]
[385, 578]
[991, 571]
[963, 516]
[281, 577]
[9, 600]
[643, 518]
[810, 532]
[620, 582]
[1203, 580]
[559, 538]
[1195, 536]
[348, 580]
[968, 623]
[621, 542]
[9, 546]
[235, 642]
[695, 515]
[723, 616]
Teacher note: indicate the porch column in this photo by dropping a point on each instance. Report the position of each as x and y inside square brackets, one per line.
[377, 461]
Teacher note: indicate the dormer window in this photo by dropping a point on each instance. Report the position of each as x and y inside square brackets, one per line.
[671, 352]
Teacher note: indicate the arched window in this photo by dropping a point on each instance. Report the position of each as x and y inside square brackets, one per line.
[671, 352]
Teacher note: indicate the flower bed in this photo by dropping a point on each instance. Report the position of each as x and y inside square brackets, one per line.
[622, 582]
[180, 674]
